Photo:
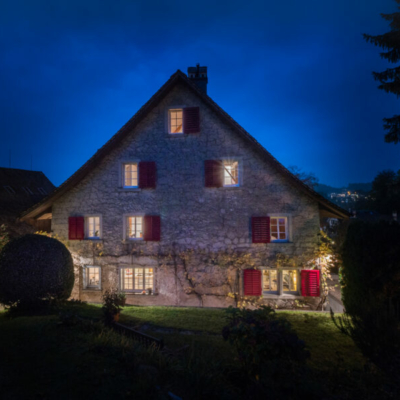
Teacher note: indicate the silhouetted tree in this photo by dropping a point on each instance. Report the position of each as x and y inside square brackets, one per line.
[308, 178]
[386, 192]
[389, 79]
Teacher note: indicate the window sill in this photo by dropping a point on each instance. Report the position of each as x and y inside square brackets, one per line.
[129, 189]
[280, 241]
[99, 240]
[281, 296]
[125, 241]
[139, 294]
[91, 290]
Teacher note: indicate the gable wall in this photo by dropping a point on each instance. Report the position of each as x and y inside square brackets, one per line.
[192, 216]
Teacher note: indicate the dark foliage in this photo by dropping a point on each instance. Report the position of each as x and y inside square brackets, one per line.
[389, 79]
[35, 269]
[386, 192]
[260, 337]
[371, 291]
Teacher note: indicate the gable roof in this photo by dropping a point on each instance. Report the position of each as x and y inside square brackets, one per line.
[20, 189]
[327, 208]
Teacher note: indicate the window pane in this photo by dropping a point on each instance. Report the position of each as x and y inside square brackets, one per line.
[148, 278]
[93, 276]
[128, 278]
[175, 118]
[134, 227]
[139, 278]
[270, 280]
[94, 227]
[231, 173]
[289, 281]
[130, 175]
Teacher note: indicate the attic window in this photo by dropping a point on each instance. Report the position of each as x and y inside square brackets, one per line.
[41, 191]
[9, 189]
[176, 121]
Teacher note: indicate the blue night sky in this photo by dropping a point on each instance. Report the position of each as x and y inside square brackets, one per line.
[295, 74]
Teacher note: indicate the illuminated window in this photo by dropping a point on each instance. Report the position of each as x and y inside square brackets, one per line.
[231, 173]
[134, 227]
[279, 229]
[92, 277]
[289, 279]
[137, 279]
[270, 280]
[280, 281]
[130, 178]
[93, 228]
[175, 122]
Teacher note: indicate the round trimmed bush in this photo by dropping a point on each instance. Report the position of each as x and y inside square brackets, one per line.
[35, 268]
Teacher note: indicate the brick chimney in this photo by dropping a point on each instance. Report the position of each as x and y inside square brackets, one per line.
[198, 75]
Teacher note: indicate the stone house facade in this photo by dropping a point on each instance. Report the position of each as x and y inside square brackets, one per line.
[183, 207]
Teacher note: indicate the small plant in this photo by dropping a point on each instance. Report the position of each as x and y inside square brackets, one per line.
[112, 304]
[260, 337]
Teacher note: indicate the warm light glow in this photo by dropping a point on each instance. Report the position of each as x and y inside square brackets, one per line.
[176, 121]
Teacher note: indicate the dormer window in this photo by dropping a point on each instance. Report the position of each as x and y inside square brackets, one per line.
[41, 191]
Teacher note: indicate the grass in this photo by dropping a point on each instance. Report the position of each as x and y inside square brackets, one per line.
[88, 361]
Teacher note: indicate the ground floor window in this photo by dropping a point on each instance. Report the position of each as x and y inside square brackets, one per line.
[137, 280]
[280, 281]
[91, 277]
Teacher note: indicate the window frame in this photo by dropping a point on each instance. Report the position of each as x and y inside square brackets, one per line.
[137, 174]
[86, 228]
[85, 273]
[232, 159]
[125, 227]
[170, 109]
[280, 292]
[135, 290]
[288, 224]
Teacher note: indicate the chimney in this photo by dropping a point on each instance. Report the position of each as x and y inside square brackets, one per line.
[198, 75]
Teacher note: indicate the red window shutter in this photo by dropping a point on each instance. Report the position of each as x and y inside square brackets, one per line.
[147, 174]
[260, 229]
[80, 228]
[72, 228]
[252, 282]
[310, 283]
[191, 120]
[76, 228]
[152, 228]
[213, 173]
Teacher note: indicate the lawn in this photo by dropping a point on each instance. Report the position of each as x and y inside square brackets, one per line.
[41, 358]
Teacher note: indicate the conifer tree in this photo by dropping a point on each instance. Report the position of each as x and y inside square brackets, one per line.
[389, 79]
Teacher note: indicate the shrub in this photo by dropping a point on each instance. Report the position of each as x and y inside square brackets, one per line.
[371, 291]
[34, 268]
[259, 337]
[112, 303]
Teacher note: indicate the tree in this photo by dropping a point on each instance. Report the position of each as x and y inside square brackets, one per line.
[386, 192]
[308, 178]
[389, 79]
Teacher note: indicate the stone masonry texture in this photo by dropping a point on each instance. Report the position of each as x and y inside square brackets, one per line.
[192, 216]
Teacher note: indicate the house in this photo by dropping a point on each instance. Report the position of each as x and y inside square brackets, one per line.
[19, 190]
[183, 207]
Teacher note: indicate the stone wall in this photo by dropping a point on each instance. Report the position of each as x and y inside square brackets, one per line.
[192, 216]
